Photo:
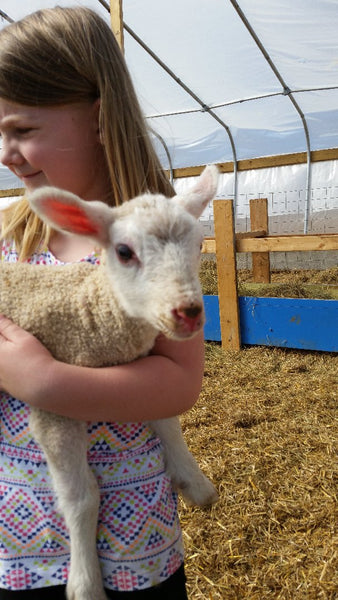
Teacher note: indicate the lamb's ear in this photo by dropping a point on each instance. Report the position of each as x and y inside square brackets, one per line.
[66, 212]
[196, 199]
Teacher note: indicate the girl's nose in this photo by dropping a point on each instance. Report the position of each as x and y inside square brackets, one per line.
[10, 155]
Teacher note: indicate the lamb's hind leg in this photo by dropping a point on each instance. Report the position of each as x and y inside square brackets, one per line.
[64, 442]
[181, 466]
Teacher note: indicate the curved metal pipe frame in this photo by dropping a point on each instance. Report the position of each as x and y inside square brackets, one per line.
[286, 92]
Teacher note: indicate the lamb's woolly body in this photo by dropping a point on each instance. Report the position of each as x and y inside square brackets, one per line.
[72, 310]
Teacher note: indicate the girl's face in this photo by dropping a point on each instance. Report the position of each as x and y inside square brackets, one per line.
[57, 146]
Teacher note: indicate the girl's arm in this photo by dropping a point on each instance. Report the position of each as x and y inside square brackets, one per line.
[164, 384]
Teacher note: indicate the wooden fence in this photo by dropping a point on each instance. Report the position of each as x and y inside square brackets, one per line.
[287, 322]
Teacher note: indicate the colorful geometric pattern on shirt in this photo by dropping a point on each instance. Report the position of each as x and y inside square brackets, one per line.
[139, 539]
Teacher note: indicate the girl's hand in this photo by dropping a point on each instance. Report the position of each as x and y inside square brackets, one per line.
[22, 359]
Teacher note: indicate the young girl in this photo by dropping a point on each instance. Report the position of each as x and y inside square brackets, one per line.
[69, 117]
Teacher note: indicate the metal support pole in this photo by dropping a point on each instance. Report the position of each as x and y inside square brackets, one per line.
[286, 92]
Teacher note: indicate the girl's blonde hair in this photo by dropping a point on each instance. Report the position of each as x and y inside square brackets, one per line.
[61, 56]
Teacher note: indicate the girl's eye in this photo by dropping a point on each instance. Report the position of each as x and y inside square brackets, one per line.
[23, 130]
[124, 253]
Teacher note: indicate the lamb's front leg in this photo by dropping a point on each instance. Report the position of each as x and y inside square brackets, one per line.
[64, 442]
[181, 466]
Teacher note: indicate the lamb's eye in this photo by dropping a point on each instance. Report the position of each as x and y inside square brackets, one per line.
[124, 252]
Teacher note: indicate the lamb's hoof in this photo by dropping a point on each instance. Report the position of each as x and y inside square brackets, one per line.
[201, 493]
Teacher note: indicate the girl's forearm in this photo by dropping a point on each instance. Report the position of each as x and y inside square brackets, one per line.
[162, 385]
[155, 387]
[148, 389]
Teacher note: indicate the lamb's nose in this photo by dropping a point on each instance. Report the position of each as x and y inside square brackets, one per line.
[191, 312]
[191, 316]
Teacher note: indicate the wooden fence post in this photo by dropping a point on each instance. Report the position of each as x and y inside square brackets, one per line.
[259, 220]
[227, 274]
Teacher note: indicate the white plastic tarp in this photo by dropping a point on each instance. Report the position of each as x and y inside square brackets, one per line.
[208, 47]
[242, 102]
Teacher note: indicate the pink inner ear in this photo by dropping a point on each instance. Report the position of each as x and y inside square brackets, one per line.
[71, 218]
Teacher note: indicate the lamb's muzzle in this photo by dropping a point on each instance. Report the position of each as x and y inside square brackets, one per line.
[189, 319]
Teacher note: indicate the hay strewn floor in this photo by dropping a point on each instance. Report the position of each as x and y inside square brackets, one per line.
[265, 430]
[291, 284]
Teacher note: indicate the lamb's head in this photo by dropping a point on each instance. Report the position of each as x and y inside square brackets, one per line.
[152, 249]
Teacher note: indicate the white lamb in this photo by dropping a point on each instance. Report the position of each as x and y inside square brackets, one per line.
[147, 283]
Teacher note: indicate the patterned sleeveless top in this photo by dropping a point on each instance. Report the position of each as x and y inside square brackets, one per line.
[139, 540]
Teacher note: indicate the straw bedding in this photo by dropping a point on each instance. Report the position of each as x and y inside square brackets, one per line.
[265, 430]
[291, 284]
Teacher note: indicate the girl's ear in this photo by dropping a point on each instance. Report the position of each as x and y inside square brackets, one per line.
[66, 212]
